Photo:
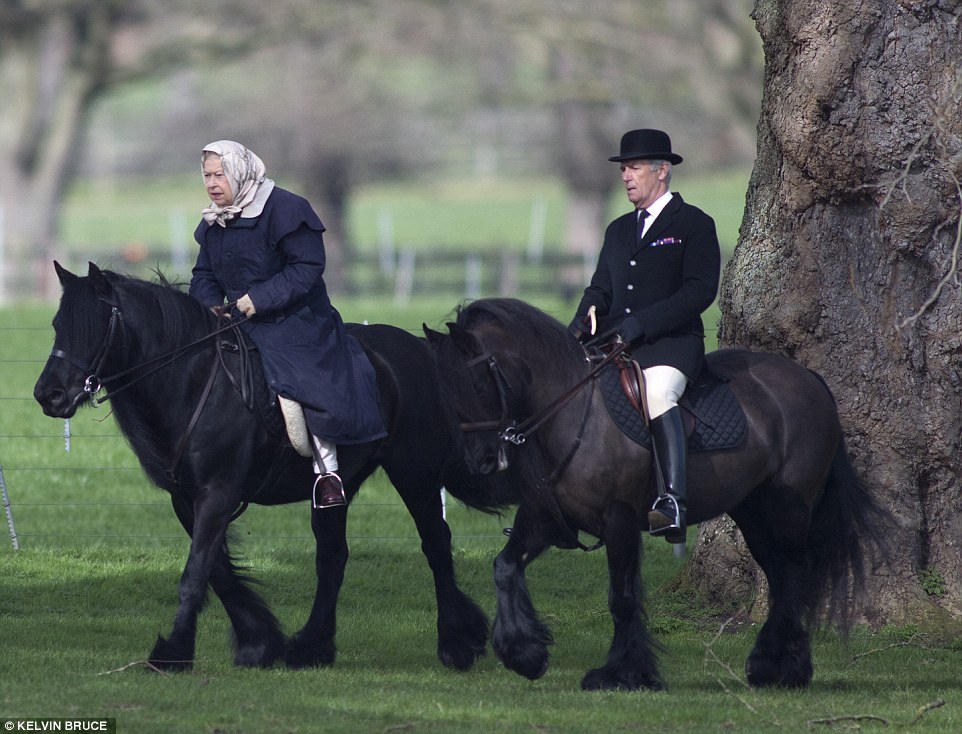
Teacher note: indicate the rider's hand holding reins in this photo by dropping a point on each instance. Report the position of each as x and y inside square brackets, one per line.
[630, 330]
[245, 305]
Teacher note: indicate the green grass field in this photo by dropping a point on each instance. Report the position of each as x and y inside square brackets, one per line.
[96, 579]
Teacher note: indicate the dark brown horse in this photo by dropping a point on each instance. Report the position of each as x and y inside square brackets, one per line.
[789, 486]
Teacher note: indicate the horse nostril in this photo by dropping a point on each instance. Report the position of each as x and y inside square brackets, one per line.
[50, 399]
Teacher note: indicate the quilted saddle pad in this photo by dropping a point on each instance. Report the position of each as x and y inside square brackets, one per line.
[719, 421]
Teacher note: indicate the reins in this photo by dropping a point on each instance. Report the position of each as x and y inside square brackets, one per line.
[94, 383]
[517, 433]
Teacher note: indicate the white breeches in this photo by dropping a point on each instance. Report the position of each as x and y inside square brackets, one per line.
[664, 386]
[325, 455]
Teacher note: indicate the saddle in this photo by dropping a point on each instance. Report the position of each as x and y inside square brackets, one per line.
[711, 413]
[280, 415]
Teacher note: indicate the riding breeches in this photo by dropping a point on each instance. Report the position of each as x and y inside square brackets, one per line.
[325, 455]
[664, 387]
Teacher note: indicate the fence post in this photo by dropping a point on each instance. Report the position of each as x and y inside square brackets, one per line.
[472, 276]
[3, 260]
[177, 223]
[539, 216]
[508, 280]
[404, 281]
[385, 241]
[9, 511]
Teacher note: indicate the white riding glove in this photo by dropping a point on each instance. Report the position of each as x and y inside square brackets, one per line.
[245, 305]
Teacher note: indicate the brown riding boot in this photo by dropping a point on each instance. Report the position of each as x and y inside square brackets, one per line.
[328, 491]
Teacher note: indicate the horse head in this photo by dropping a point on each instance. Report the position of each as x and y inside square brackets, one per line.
[85, 327]
[473, 381]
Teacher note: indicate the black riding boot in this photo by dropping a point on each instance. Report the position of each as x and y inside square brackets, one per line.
[667, 516]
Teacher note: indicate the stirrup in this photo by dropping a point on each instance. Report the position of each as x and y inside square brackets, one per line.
[665, 518]
[333, 496]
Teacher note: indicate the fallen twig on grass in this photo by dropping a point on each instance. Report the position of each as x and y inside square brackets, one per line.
[859, 718]
[855, 718]
[923, 710]
[916, 640]
[137, 663]
[710, 654]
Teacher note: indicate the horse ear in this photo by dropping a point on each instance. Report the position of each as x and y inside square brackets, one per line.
[467, 343]
[101, 285]
[434, 337]
[63, 275]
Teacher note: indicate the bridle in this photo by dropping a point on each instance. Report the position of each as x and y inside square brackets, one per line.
[94, 383]
[509, 429]
[505, 425]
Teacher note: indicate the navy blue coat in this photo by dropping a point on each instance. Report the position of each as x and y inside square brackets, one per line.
[665, 281]
[278, 259]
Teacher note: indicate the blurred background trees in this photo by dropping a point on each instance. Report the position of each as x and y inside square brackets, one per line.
[337, 93]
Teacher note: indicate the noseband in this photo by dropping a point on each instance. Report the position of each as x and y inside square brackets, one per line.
[93, 384]
[505, 425]
[509, 430]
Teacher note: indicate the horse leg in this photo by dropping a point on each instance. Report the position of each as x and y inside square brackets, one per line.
[314, 644]
[256, 634]
[211, 518]
[462, 626]
[782, 652]
[631, 662]
[519, 637]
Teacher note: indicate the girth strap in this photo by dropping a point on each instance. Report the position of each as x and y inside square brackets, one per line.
[182, 444]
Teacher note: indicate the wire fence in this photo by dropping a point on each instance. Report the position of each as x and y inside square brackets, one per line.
[76, 483]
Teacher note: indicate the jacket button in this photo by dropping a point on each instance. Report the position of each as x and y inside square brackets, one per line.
[627, 310]
[632, 263]
[631, 287]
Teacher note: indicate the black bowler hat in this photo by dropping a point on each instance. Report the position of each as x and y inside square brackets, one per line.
[652, 145]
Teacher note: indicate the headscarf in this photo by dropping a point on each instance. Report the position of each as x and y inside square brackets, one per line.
[248, 183]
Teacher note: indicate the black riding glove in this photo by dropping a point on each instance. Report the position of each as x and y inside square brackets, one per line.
[630, 330]
[578, 326]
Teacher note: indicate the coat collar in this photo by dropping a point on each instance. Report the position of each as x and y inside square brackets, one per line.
[664, 220]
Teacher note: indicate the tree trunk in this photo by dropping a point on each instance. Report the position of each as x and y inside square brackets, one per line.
[50, 72]
[847, 262]
[327, 186]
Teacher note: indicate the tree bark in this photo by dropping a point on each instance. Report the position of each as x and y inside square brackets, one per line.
[846, 262]
[52, 68]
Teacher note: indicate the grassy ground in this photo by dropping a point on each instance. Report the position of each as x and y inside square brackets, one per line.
[95, 581]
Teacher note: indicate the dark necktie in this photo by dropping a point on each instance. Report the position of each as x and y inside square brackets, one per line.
[642, 216]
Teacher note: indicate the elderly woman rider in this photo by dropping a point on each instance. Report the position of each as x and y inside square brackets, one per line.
[262, 247]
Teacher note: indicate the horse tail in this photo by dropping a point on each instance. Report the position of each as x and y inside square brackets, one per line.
[847, 523]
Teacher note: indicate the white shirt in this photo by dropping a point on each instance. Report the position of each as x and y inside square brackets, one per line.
[654, 210]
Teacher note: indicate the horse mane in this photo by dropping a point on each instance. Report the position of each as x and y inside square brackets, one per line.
[162, 301]
[551, 353]
[540, 332]
[158, 317]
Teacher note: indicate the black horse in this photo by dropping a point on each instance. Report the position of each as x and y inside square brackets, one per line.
[789, 486]
[181, 398]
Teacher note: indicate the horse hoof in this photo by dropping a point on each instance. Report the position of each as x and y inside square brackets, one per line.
[166, 658]
[460, 658]
[255, 656]
[299, 654]
[606, 679]
[532, 663]
[785, 673]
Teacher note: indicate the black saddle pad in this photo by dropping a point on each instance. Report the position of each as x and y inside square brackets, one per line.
[719, 418]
